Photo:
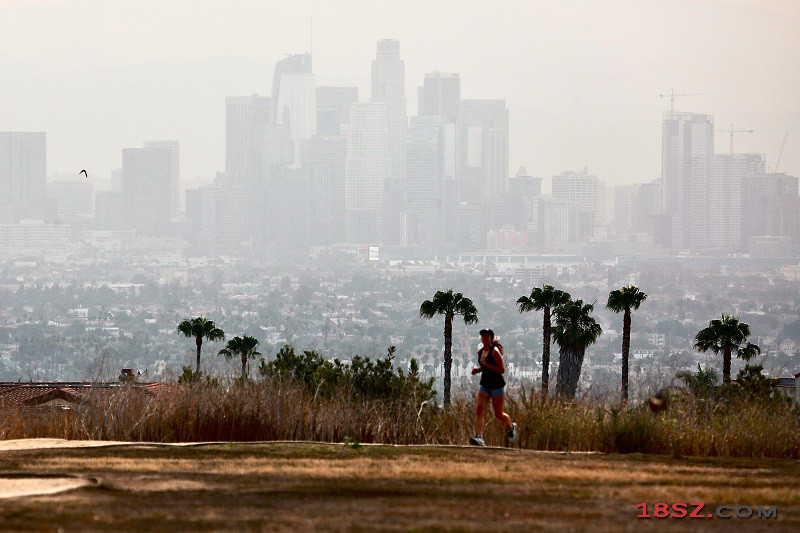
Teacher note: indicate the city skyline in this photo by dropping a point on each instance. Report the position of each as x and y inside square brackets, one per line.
[549, 132]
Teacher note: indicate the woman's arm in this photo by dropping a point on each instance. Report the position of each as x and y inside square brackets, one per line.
[500, 366]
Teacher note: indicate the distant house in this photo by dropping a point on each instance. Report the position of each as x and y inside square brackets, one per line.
[63, 395]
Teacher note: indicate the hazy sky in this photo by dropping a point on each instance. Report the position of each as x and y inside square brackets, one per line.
[581, 79]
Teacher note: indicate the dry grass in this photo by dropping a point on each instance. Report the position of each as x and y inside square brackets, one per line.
[245, 487]
[264, 411]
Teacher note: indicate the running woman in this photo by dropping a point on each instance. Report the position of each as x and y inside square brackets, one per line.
[492, 387]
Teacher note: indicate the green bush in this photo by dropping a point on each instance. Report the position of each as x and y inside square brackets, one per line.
[362, 377]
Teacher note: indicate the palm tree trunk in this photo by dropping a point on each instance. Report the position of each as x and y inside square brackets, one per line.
[569, 371]
[199, 342]
[546, 352]
[244, 366]
[448, 356]
[726, 366]
[626, 351]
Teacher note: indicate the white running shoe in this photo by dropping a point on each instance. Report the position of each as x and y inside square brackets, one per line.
[477, 440]
[512, 434]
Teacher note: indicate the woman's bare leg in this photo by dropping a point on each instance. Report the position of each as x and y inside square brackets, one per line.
[497, 405]
[481, 401]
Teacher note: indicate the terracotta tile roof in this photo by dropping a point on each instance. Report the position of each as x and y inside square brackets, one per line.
[29, 394]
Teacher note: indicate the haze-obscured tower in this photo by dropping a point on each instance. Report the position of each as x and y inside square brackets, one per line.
[23, 172]
[367, 169]
[440, 94]
[294, 96]
[174, 172]
[146, 189]
[388, 88]
[727, 176]
[686, 151]
[333, 108]
[246, 119]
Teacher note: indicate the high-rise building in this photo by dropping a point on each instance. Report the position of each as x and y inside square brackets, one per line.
[625, 201]
[483, 154]
[686, 150]
[174, 172]
[583, 192]
[324, 156]
[23, 172]
[146, 187]
[524, 191]
[388, 87]
[294, 96]
[425, 180]
[366, 170]
[230, 213]
[728, 173]
[770, 208]
[440, 94]
[333, 108]
[74, 200]
[246, 118]
[555, 222]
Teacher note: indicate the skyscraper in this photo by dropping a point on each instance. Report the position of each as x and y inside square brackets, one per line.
[324, 158]
[425, 181]
[174, 172]
[23, 171]
[246, 118]
[686, 150]
[146, 188]
[388, 88]
[728, 173]
[582, 191]
[483, 141]
[294, 96]
[366, 170]
[440, 94]
[333, 108]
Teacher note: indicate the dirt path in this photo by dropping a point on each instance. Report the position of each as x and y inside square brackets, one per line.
[295, 486]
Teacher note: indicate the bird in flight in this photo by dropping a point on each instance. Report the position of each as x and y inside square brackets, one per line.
[84, 173]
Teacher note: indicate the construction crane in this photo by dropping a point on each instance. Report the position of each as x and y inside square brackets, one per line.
[672, 97]
[732, 131]
[780, 153]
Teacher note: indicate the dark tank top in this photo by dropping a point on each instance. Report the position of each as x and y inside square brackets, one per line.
[489, 378]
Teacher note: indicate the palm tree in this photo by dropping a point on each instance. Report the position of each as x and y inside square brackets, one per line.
[244, 347]
[544, 298]
[623, 300]
[200, 328]
[449, 304]
[575, 330]
[727, 335]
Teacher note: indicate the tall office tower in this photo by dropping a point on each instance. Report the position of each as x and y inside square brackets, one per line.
[625, 201]
[686, 149]
[23, 170]
[174, 172]
[483, 157]
[230, 212]
[425, 179]
[146, 186]
[770, 208]
[294, 96]
[388, 88]
[74, 200]
[582, 191]
[366, 170]
[246, 118]
[323, 156]
[727, 175]
[556, 218]
[333, 108]
[524, 191]
[440, 94]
